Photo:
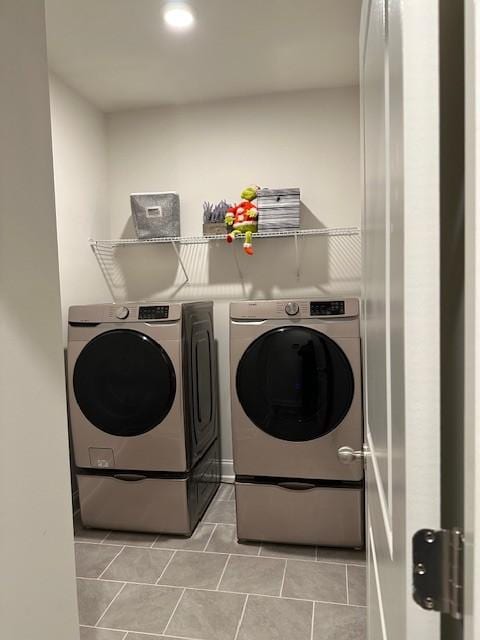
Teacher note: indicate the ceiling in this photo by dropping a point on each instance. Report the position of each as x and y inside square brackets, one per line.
[119, 54]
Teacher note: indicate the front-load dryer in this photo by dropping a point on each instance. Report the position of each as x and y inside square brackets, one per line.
[143, 413]
[296, 398]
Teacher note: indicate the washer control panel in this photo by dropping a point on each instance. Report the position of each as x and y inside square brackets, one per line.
[327, 308]
[122, 313]
[292, 308]
[154, 312]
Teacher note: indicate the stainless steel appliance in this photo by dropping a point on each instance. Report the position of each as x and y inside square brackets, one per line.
[142, 392]
[296, 400]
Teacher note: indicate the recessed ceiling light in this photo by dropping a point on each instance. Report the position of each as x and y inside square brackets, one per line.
[178, 15]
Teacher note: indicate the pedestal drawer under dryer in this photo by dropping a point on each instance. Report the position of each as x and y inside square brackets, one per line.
[299, 513]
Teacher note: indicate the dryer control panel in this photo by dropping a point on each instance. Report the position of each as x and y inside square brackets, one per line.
[314, 308]
[327, 308]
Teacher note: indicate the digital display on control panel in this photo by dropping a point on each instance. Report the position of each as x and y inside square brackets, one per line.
[335, 308]
[153, 313]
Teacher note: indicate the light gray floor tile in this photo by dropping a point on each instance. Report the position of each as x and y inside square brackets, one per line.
[339, 622]
[142, 608]
[224, 540]
[130, 537]
[82, 534]
[357, 585]
[276, 619]
[315, 581]
[221, 511]
[207, 615]
[89, 633]
[225, 492]
[196, 542]
[343, 556]
[194, 569]
[91, 559]
[253, 575]
[94, 596]
[138, 565]
[287, 551]
[143, 636]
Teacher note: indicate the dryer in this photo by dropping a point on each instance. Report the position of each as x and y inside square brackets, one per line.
[143, 413]
[296, 400]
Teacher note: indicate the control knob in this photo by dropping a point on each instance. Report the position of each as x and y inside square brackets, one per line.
[291, 308]
[122, 313]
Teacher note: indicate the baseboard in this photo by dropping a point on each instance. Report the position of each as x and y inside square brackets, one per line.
[228, 475]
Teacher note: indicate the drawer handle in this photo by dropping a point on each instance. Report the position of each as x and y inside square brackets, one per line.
[297, 486]
[129, 477]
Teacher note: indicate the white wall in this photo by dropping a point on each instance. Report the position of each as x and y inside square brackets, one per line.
[80, 170]
[37, 586]
[210, 151]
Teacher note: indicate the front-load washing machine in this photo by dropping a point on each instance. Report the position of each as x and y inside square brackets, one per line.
[296, 400]
[142, 387]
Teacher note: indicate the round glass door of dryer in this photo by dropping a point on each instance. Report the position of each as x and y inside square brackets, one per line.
[124, 382]
[295, 383]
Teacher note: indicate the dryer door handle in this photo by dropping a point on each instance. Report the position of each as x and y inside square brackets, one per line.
[347, 455]
[129, 477]
[297, 486]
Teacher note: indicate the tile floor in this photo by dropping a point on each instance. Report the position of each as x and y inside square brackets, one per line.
[138, 586]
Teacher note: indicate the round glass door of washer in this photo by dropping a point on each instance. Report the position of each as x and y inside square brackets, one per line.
[124, 382]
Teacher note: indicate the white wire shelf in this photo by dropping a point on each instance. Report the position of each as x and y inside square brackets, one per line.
[283, 233]
[106, 251]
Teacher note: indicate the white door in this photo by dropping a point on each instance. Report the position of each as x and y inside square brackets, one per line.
[401, 314]
[472, 320]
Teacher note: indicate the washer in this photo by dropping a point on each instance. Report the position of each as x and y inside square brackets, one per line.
[296, 399]
[142, 393]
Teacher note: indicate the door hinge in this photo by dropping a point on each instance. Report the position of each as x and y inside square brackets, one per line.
[438, 571]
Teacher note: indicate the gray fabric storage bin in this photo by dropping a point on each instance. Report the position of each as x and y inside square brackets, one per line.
[156, 215]
[278, 209]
